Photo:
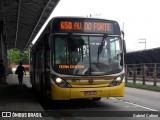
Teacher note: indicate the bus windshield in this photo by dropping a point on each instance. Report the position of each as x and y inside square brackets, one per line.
[87, 55]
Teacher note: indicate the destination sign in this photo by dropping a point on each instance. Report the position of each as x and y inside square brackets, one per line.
[85, 25]
[70, 66]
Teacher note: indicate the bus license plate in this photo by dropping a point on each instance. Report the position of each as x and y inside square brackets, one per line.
[90, 92]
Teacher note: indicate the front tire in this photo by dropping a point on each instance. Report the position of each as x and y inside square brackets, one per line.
[96, 99]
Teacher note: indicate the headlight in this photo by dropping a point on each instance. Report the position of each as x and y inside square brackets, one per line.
[61, 83]
[117, 81]
[58, 80]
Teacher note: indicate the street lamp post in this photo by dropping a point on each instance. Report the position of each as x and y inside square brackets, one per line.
[144, 41]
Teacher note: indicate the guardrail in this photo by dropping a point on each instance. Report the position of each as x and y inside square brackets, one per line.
[143, 72]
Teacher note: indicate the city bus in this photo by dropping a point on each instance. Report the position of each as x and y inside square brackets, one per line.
[78, 58]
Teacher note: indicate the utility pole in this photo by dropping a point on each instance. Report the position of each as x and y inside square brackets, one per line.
[143, 41]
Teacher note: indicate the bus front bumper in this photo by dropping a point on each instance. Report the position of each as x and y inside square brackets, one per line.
[58, 93]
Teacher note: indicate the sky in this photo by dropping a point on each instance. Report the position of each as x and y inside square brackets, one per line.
[140, 19]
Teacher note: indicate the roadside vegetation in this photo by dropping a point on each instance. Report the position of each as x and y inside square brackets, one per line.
[140, 86]
[15, 56]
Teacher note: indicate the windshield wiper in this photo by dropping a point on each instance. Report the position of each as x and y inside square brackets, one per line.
[100, 47]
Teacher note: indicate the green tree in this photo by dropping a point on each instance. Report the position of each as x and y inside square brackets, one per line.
[15, 56]
[25, 56]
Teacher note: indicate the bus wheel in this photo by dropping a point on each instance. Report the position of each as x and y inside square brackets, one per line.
[96, 99]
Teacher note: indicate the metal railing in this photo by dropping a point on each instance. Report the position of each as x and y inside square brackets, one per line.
[146, 72]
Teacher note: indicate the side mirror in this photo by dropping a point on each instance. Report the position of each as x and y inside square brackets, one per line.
[124, 46]
[122, 34]
[124, 43]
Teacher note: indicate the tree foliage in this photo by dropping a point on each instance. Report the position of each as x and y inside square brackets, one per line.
[16, 56]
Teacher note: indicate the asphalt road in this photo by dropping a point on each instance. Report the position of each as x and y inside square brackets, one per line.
[136, 102]
[146, 98]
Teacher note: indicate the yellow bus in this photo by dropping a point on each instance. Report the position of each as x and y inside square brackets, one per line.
[78, 58]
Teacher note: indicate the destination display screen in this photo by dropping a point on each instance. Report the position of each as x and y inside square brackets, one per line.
[85, 25]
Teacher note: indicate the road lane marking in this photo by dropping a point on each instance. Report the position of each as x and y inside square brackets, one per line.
[134, 104]
[141, 106]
